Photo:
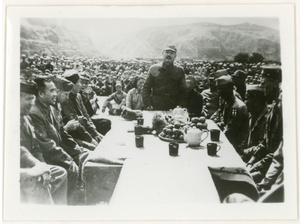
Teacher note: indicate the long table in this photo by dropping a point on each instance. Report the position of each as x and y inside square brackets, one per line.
[149, 175]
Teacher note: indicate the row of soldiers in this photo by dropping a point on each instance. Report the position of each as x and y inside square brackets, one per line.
[105, 73]
[252, 122]
[57, 136]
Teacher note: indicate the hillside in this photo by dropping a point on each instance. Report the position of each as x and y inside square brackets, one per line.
[38, 36]
[199, 41]
[196, 41]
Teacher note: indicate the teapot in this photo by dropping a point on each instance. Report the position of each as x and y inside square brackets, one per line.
[180, 114]
[193, 136]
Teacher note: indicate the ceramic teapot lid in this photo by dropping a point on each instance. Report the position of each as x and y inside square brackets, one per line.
[193, 130]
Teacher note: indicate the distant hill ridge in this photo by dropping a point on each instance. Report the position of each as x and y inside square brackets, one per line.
[195, 41]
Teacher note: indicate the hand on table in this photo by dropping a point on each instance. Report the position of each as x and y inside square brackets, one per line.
[99, 137]
[90, 145]
[149, 108]
[221, 125]
[138, 113]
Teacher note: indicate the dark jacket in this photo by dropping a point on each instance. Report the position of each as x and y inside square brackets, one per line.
[233, 114]
[164, 87]
[274, 126]
[73, 107]
[194, 103]
[257, 128]
[28, 139]
[57, 146]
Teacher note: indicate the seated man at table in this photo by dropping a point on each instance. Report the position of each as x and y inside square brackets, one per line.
[33, 157]
[72, 127]
[90, 102]
[238, 78]
[74, 107]
[211, 95]
[262, 155]
[257, 107]
[232, 117]
[193, 98]
[134, 100]
[52, 138]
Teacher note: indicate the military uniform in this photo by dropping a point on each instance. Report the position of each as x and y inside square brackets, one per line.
[274, 126]
[257, 128]
[236, 122]
[264, 153]
[58, 149]
[79, 135]
[194, 103]
[31, 155]
[234, 118]
[275, 171]
[273, 139]
[164, 87]
[74, 107]
[90, 102]
[210, 102]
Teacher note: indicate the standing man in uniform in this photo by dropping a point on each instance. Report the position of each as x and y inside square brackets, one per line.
[165, 86]
[233, 114]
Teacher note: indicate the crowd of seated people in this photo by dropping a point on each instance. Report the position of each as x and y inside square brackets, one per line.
[59, 101]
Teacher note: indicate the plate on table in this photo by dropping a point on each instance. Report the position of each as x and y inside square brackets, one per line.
[170, 139]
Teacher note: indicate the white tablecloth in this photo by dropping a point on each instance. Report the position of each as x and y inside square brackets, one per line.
[149, 175]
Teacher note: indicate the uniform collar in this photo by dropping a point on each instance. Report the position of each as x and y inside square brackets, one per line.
[137, 91]
[72, 95]
[165, 66]
[41, 105]
[231, 100]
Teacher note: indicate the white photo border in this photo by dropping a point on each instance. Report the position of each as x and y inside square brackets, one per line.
[288, 210]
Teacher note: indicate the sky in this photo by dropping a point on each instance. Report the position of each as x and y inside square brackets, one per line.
[104, 29]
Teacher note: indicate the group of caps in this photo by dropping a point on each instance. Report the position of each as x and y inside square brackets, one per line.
[64, 83]
[221, 77]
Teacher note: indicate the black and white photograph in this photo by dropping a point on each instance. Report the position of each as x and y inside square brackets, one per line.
[154, 112]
